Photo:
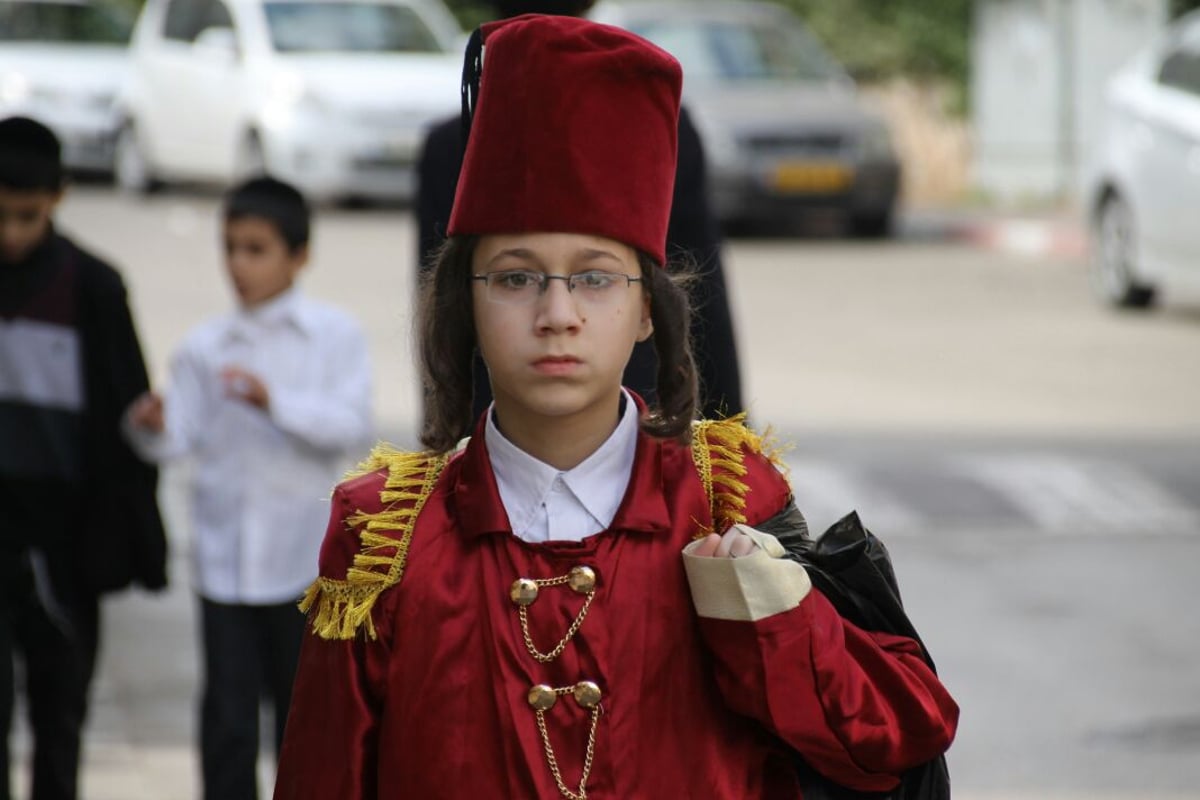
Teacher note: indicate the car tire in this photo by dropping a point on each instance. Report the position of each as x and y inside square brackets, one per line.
[873, 224]
[1113, 257]
[132, 172]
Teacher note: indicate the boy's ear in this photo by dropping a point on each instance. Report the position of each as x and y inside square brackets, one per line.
[300, 257]
[646, 329]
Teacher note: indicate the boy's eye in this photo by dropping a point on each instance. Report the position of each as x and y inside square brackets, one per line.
[594, 281]
[515, 280]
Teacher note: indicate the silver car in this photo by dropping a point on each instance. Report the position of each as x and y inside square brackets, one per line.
[61, 62]
[783, 127]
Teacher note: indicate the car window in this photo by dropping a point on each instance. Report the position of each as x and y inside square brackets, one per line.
[185, 19]
[1181, 70]
[728, 50]
[63, 22]
[364, 27]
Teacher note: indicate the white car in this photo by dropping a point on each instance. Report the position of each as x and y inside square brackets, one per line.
[1144, 202]
[61, 62]
[331, 95]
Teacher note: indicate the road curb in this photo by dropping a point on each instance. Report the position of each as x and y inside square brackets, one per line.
[1028, 236]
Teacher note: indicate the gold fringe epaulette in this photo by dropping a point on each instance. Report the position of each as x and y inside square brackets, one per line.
[340, 607]
[718, 449]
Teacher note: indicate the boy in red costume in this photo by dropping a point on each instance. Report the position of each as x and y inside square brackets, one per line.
[575, 602]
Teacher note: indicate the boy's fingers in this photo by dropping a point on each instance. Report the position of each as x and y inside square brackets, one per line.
[146, 404]
[708, 546]
[735, 544]
[743, 545]
[237, 381]
[148, 411]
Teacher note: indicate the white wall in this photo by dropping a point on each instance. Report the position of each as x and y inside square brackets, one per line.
[1039, 68]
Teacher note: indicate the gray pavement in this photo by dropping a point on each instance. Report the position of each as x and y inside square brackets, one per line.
[1031, 460]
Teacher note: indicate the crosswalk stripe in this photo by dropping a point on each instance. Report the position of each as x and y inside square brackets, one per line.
[1079, 496]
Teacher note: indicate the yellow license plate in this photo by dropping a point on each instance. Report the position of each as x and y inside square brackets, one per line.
[811, 176]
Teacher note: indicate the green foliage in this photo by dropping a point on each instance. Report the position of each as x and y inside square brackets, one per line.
[875, 39]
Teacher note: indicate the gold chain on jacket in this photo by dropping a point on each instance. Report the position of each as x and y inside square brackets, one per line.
[523, 592]
[587, 695]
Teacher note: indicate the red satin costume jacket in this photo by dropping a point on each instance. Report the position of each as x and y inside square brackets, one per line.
[416, 684]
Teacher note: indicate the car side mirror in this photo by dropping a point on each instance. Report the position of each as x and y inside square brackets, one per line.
[218, 44]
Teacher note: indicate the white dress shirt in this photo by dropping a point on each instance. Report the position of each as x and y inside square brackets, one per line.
[261, 480]
[544, 504]
[548, 504]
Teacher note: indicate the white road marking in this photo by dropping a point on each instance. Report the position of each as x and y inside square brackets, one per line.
[1070, 495]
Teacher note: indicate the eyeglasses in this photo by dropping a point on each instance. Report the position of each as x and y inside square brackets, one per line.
[524, 286]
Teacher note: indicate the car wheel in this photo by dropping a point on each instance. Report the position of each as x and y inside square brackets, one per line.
[1113, 255]
[873, 225]
[131, 170]
[251, 158]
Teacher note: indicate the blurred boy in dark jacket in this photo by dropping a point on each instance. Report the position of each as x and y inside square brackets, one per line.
[78, 510]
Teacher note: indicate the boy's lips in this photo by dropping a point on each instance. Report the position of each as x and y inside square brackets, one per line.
[556, 365]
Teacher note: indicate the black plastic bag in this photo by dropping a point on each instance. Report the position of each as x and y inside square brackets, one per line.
[851, 567]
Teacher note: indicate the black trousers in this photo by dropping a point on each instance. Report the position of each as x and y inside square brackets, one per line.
[52, 625]
[249, 652]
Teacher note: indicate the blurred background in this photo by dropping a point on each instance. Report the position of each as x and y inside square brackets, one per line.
[964, 264]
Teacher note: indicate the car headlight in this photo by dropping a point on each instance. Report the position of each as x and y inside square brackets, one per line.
[876, 144]
[14, 89]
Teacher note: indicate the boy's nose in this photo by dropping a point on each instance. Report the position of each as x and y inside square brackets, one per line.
[557, 308]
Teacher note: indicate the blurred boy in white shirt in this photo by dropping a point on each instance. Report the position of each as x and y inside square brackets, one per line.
[267, 402]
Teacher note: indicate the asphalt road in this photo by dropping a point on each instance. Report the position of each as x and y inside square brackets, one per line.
[1032, 460]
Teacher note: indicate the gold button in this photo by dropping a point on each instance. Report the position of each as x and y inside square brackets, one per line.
[582, 579]
[587, 694]
[523, 591]
[542, 697]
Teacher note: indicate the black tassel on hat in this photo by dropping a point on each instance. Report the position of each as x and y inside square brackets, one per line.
[472, 69]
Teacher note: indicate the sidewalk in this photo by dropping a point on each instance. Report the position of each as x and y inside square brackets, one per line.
[138, 744]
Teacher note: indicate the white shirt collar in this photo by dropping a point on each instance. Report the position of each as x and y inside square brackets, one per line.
[597, 485]
[286, 308]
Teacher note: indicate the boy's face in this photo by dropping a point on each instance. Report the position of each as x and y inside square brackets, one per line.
[558, 353]
[259, 261]
[25, 216]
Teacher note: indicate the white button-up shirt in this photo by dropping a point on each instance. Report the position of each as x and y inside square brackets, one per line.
[547, 504]
[261, 481]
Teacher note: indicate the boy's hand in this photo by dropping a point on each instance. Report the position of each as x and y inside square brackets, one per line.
[246, 386]
[146, 412]
[734, 544]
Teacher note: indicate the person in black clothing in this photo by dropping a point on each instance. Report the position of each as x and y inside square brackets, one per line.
[78, 510]
[692, 236]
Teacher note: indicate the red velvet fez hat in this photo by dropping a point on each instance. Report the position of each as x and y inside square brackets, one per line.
[575, 131]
